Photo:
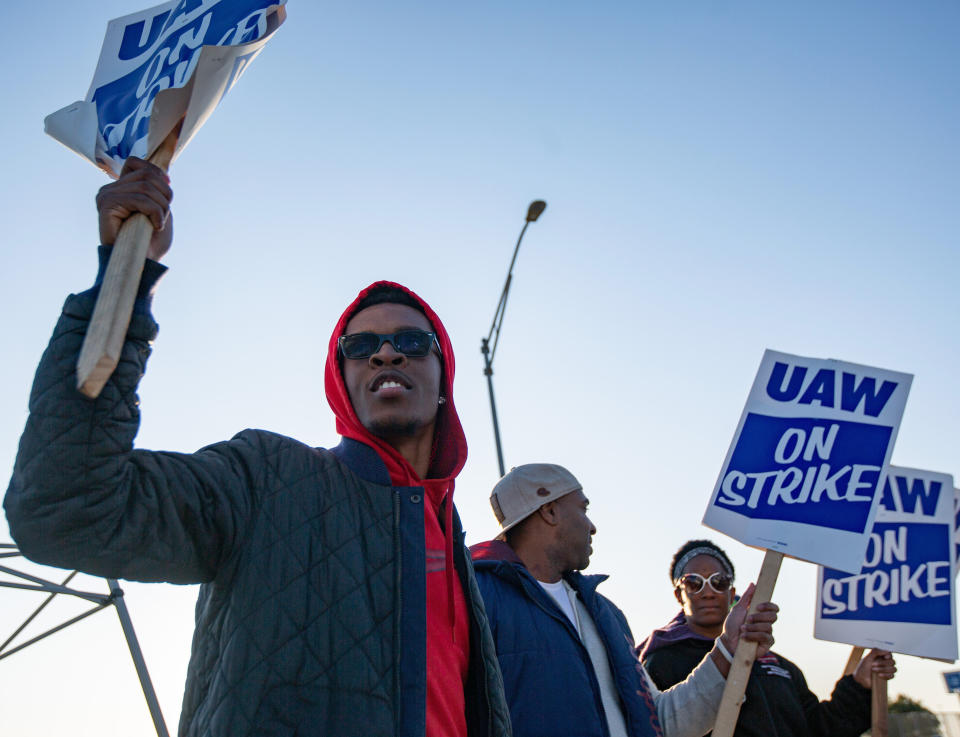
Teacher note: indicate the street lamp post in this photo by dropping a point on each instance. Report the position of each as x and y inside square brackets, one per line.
[533, 212]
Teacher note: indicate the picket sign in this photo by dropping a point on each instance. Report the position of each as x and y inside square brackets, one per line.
[161, 73]
[803, 475]
[956, 531]
[952, 681]
[804, 471]
[902, 600]
[915, 506]
[856, 653]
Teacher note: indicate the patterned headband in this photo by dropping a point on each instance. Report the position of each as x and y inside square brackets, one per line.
[690, 555]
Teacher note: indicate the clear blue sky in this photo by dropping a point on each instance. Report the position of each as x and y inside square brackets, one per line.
[720, 178]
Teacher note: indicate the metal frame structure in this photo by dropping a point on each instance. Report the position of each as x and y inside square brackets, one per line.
[100, 602]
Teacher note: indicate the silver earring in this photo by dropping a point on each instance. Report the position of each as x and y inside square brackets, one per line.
[442, 400]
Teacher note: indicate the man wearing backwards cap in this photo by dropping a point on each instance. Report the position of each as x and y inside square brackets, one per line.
[337, 596]
[566, 652]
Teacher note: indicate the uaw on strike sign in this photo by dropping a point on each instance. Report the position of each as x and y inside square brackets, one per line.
[802, 476]
[170, 63]
[902, 598]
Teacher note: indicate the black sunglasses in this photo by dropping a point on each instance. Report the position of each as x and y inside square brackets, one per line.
[693, 583]
[411, 343]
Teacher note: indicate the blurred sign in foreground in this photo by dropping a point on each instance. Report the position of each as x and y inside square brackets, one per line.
[168, 63]
[952, 679]
[956, 531]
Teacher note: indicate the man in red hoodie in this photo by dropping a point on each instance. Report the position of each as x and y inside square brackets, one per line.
[337, 596]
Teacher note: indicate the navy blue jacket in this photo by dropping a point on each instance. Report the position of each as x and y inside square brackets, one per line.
[548, 677]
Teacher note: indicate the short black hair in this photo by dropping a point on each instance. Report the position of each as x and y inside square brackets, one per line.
[510, 536]
[387, 294]
[715, 550]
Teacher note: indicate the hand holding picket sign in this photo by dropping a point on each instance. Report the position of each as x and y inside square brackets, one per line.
[877, 664]
[142, 187]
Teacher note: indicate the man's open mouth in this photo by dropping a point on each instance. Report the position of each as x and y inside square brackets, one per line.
[390, 381]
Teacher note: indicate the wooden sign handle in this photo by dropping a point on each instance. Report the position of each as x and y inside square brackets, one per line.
[878, 706]
[746, 652]
[111, 315]
[856, 655]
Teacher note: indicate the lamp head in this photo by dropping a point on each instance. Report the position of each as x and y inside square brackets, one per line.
[535, 210]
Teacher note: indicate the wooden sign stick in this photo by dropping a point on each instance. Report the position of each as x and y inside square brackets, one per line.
[856, 655]
[111, 315]
[746, 652]
[878, 706]
[878, 695]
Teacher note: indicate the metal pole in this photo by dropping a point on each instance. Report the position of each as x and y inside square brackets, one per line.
[533, 212]
[116, 594]
[488, 371]
[36, 611]
[18, 648]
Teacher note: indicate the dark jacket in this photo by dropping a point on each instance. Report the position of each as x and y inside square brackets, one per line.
[311, 617]
[548, 677]
[778, 702]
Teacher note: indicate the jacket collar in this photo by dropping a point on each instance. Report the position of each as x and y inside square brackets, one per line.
[363, 460]
[494, 550]
[499, 558]
[676, 630]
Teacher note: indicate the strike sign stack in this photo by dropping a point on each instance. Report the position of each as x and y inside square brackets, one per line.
[808, 475]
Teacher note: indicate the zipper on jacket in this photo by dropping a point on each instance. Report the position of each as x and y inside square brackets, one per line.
[470, 577]
[398, 619]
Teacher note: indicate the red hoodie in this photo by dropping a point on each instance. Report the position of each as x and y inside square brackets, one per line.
[448, 636]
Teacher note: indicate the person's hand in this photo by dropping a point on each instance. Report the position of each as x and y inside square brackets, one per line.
[756, 627]
[141, 187]
[880, 662]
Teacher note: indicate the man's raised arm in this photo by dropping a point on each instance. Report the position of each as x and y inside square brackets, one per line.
[80, 495]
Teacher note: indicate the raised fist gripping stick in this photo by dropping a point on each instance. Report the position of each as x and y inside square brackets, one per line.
[111, 316]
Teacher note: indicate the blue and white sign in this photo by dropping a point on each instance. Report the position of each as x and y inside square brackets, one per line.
[902, 598]
[956, 531]
[952, 680]
[802, 476]
[168, 63]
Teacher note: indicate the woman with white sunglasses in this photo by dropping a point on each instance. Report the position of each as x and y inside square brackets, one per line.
[778, 702]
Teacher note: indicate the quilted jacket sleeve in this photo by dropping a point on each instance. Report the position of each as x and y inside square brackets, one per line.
[81, 496]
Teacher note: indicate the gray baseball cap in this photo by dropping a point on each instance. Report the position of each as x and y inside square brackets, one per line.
[527, 488]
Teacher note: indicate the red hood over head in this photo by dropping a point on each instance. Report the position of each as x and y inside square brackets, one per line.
[449, 444]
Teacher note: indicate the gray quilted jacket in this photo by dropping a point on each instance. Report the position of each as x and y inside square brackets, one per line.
[311, 617]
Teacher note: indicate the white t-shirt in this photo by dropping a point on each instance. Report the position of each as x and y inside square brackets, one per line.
[560, 592]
